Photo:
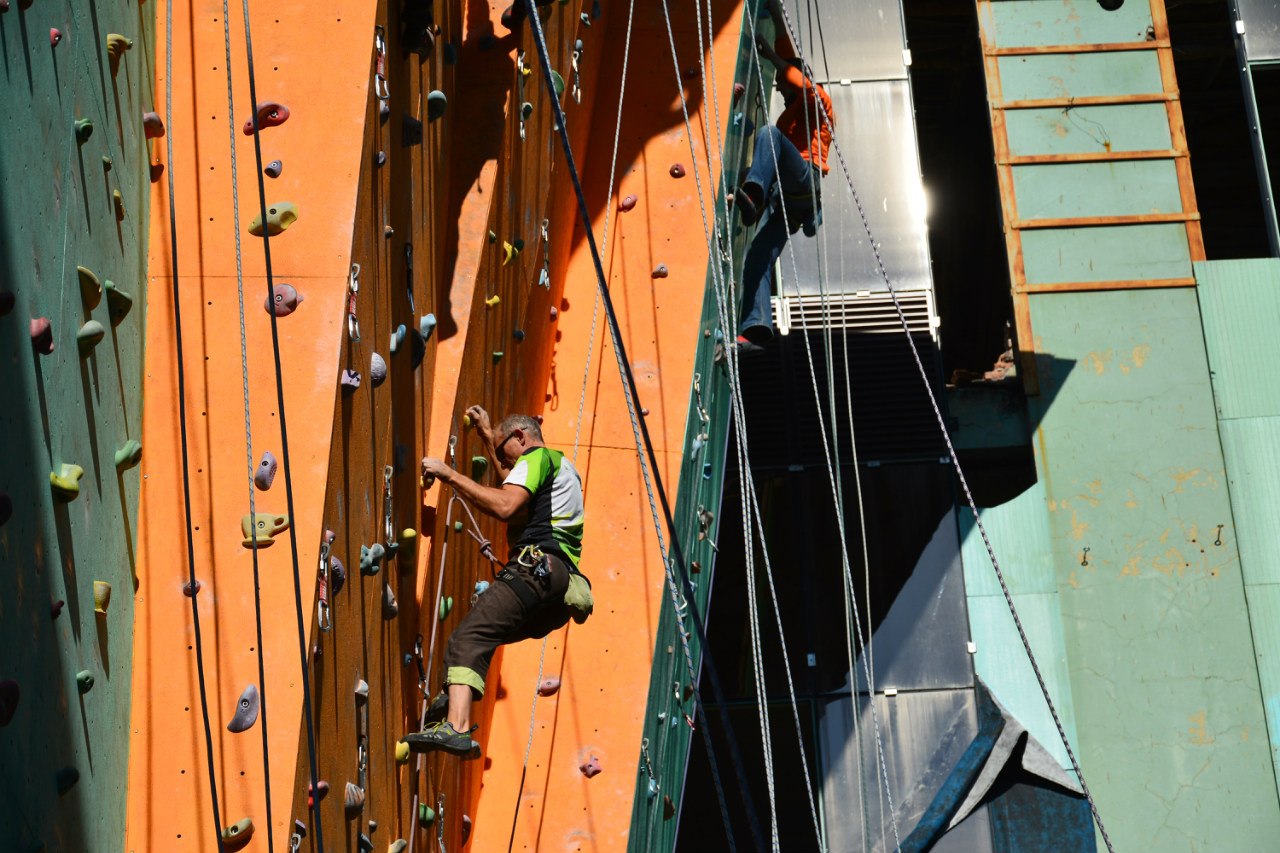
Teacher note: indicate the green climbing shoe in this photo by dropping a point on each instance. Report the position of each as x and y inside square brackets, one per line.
[443, 735]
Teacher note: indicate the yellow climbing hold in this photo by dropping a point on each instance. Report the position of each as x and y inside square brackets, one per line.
[493, 300]
[239, 832]
[66, 481]
[279, 217]
[90, 287]
[101, 596]
[402, 752]
[509, 252]
[262, 527]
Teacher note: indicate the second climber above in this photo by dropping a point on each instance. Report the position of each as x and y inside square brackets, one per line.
[538, 590]
[782, 190]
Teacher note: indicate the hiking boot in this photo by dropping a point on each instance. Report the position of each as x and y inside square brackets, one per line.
[749, 199]
[444, 736]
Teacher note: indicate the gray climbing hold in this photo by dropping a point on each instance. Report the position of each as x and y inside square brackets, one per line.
[128, 455]
[119, 302]
[265, 473]
[350, 381]
[246, 710]
[397, 338]
[299, 828]
[411, 129]
[273, 169]
[371, 558]
[90, 287]
[89, 336]
[65, 779]
[377, 370]
[84, 681]
[390, 607]
[397, 846]
[362, 692]
[365, 844]
[353, 799]
[284, 300]
[437, 103]
[526, 110]
[380, 159]
[426, 326]
[660, 271]
[84, 129]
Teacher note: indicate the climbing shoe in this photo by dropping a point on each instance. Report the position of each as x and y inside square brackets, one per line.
[749, 199]
[746, 346]
[438, 709]
[444, 736]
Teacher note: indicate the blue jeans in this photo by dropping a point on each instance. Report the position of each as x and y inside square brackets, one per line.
[771, 233]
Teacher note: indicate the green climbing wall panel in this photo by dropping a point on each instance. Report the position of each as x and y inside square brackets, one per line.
[57, 212]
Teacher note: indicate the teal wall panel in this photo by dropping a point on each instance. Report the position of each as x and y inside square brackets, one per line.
[1167, 697]
[1041, 22]
[1071, 75]
[1264, 610]
[57, 212]
[1019, 533]
[1240, 303]
[1106, 253]
[1251, 447]
[1124, 188]
[1118, 127]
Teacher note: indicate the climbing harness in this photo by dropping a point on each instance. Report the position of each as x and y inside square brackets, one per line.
[380, 65]
[353, 290]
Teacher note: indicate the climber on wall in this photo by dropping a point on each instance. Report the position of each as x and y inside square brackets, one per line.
[788, 161]
[538, 590]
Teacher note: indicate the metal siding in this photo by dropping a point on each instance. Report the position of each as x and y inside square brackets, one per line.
[1019, 533]
[1117, 127]
[1262, 28]
[1251, 447]
[852, 40]
[1106, 253]
[1131, 187]
[1079, 75]
[1162, 662]
[1264, 608]
[1240, 308]
[1041, 22]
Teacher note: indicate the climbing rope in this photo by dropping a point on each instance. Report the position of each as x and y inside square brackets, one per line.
[955, 462]
[644, 446]
[248, 431]
[193, 584]
[284, 432]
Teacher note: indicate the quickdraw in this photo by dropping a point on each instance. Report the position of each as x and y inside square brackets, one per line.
[380, 68]
[408, 268]
[324, 616]
[353, 290]
[544, 277]
[577, 80]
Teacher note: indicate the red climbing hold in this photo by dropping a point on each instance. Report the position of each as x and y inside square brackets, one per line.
[591, 767]
[156, 170]
[738, 91]
[317, 793]
[677, 171]
[660, 271]
[152, 125]
[270, 114]
[9, 694]
[627, 203]
[191, 588]
[549, 687]
[42, 335]
[55, 36]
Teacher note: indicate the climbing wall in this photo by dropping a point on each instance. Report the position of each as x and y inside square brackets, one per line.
[74, 199]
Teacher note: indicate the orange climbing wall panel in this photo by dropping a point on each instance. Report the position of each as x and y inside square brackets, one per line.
[316, 60]
[604, 665]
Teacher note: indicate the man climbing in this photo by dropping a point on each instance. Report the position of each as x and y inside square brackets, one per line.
[537, 591]
[788, 160]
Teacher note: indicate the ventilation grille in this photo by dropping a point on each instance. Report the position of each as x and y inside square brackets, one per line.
[864, 311]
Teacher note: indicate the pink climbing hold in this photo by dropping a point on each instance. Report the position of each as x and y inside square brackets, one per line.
[627, 203]
[55, 609]
[660, 271]
[555, 312]
[591, 767]
[317, 793]
[270, 114]
[677, 170]
[549, 687]
[55, 36]
[152, 125]
[42, 335]
[738, 91]
[284, 300]
[9, 695]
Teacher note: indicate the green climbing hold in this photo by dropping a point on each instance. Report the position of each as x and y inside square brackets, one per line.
[497, 357]
[89, 336]
[129, 454]
[446, 605]
[84, 129]
[437, 103]
[90, 287]
[279, 217]
[493, 238]
[66, 481]
[479, 467]
[84, 681]
[558, 82]
[457, 526]
[119, 302]
[116, 46]
[426, 815]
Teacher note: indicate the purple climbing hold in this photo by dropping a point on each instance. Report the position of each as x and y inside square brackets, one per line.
[299, 828]
[246, 710]
[738, 91]
[284, 300]
[465, 831]
[627, 203]
[7, 301]
[89, 336]
[377, 370]
[660, 271]
[337, 575]
[270, 114]
[273, 169]
[591, 767]
[549, 687]
[266, 471]
[42, 335]
[9, 695]
[384, 112]
[152, 125]
[555, 312]
[350, 381]
[677, 170]
[55, 609]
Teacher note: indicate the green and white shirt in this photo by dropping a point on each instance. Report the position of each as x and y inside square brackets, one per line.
[553, 520]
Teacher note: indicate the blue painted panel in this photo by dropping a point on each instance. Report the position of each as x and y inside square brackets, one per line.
[1240, 308]
[1079, 75]
[1106, 253]
[1038, 22]
[1127, 187]
[1119, 127]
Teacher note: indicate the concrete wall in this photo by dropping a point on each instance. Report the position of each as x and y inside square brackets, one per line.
[56, 213]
